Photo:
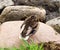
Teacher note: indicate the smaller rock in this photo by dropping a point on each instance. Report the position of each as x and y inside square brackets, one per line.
[21, 12]
[55, 23]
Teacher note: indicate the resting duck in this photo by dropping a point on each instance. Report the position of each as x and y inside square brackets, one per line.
[29, 27]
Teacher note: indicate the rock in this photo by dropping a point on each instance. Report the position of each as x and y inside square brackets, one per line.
[29, 2]
[59, 9]
[20, 2]
[55, 23]
[10, 32]
[51, 46]
[51, 5]
[52, 10]
[55, 0]
[32, 2]
[21, 12]
[52, 15]
[4, 3]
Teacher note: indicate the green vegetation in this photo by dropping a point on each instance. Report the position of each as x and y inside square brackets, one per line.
[26, 46]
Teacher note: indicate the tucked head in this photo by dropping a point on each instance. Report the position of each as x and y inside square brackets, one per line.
[34, 17]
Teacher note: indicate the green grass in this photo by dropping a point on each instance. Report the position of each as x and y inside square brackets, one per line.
[26, 46]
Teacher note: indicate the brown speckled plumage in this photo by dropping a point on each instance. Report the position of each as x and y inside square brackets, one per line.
[32, 22]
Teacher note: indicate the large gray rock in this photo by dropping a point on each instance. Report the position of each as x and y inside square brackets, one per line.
[10, 32]
[21, 12]
[55, 23]
[4, 3]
